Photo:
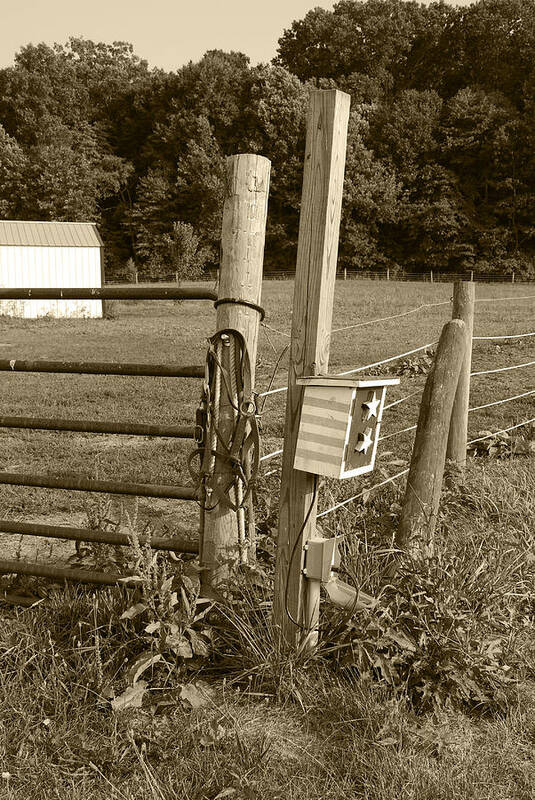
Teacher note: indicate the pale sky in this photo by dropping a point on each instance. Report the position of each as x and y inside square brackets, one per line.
[168, 33]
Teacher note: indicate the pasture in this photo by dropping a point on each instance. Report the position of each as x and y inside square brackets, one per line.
[161, 332]
[289, 729]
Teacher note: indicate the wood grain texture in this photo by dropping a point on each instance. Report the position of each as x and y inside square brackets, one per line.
[424, 484]
[463, 308]
[240, 277]
[317, 254]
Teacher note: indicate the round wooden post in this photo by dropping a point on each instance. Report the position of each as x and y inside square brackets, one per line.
[240, 278]
[424, 484]
[463, 308]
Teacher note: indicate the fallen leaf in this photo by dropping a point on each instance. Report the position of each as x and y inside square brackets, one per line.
[152, 627]
[132, 697]
[194, 695]
[140, 664]
[134, 611]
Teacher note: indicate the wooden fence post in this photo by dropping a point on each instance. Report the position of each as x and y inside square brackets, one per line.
[463, 308]
[315, 275]
[240, 278]
[424, 484]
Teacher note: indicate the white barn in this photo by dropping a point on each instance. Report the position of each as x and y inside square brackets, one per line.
[50, 255]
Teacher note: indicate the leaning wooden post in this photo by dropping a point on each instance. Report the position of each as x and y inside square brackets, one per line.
[463, 308]
[424, 484]
[317, 251]
[240, 278]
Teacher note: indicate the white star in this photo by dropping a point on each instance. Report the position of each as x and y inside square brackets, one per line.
[372, 405]
[364, 441]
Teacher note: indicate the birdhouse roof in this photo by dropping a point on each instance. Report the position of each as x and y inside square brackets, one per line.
[362, 382]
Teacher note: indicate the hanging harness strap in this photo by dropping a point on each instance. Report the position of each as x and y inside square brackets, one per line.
[241, 450]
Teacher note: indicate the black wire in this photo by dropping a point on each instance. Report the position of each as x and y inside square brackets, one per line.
[272, 378]
[292, 555]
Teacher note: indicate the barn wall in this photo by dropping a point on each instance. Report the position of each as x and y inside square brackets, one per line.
[41, 267]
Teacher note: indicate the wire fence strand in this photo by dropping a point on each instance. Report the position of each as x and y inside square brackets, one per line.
[356, 496]
[504, 430]
[470, 410]
[392, 478]
[510, 336]
[502, 369]
[394, 316]
[502, 299]
[361, 369]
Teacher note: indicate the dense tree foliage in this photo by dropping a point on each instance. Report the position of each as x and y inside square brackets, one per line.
[440, 163]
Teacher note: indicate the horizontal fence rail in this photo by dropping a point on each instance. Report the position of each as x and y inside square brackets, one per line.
[49, 571]
[110, 293]
[173, 544]
[80, 484]
[102, 368]
[94, 426]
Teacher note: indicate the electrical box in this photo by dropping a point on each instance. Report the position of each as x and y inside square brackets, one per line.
[321, 558]
[339, 425]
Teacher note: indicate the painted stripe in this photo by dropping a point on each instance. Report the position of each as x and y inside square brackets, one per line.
[308, 455]
[320, 448]
[324, 411]
[318, 420]
[326, 403]
[307, 435]
[317, 468]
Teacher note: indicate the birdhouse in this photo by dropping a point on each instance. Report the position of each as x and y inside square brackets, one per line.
[339, 425]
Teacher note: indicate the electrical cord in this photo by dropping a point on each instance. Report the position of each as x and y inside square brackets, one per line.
[292, 556]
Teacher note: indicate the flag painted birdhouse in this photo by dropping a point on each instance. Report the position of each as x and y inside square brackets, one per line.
[339, 425]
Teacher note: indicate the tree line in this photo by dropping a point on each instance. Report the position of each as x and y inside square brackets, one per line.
[440, 169]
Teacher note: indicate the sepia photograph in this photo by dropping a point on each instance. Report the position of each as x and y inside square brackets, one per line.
[267, 400]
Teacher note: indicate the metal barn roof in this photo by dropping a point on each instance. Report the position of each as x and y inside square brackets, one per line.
[49, 234]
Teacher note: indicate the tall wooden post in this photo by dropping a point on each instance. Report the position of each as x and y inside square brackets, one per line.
[240, 278]
[463, 308]
[317, 252]
[424, 484]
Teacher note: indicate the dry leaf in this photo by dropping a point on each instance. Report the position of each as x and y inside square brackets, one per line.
[132, 697]
[140, 664]
[194, 695]
[134, 611]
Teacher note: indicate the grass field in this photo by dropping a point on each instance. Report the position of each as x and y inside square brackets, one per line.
[309, 731]
[165, 332]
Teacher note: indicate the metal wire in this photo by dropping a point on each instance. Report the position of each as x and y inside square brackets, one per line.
[394, 316]
[505, 430]
[502, 369]
[361, 369]
[356, 496]
[510, 336]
